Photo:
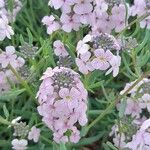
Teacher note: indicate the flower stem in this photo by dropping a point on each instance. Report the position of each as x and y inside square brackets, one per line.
[133, 22]
[113, 104]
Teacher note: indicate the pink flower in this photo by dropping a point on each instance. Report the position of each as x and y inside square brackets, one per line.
[34, 134]
[60, 138]
[82, 46]
[118, 17]
[101, 6]
[5, 29]
[65, 5]
[119, 141]
[140, 141]
[19, 144]
[133, 108]
[8, 57]
[59, 48]
[145, 101]
[70, 97]
[145, 125]
[84, 65]
[70, 22]
[83, 7]
[101, 61]
[62, 102]
[145, 23]
[51, 24]
[75, 136]
[115, 63]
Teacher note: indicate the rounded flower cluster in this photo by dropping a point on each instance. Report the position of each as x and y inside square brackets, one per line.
[97, 52]
[63, 103]
[134, 132]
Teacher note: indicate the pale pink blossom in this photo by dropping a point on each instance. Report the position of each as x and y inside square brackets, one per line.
[140, 141]
[8, 57]
[133, 108]
[75, 136]
[84, 65]
[19, 144]
[144, 101]
[115, 63]
[51, 24]
[101, 61]
[34, 134]
[5, 29]
[70, 22]
[59, 49]
[83, 7]
[82, 46]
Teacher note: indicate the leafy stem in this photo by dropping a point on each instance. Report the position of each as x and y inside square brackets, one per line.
[113, 104]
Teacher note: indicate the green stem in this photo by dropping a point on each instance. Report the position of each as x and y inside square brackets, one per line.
[113, 104]
[139, 19]
[23, 82]
[47, 140]
[4, 121]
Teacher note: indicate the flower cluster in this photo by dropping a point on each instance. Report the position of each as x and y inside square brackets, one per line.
[101, 15]
[140, 8]
[7, 16]
[134, 134]
[63, 103]
[21, 130]
[9, 57]
[96, 52]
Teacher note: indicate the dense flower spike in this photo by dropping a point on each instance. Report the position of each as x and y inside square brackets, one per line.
[63, 103]
[96, 52]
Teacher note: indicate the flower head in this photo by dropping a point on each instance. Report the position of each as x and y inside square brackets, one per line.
[63, 103]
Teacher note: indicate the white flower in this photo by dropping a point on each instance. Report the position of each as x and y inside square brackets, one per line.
[5, 29]
[145, 125]
[115, 62]
[82, 47]
[19, 144]
[14, 121]
[34, 134]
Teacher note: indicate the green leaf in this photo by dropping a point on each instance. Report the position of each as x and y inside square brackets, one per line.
[6, 112]
[21, 39]
[111, 146]
[12, 94]
[90, 140]
[4, 121]
[63, 146]
[30, 36]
